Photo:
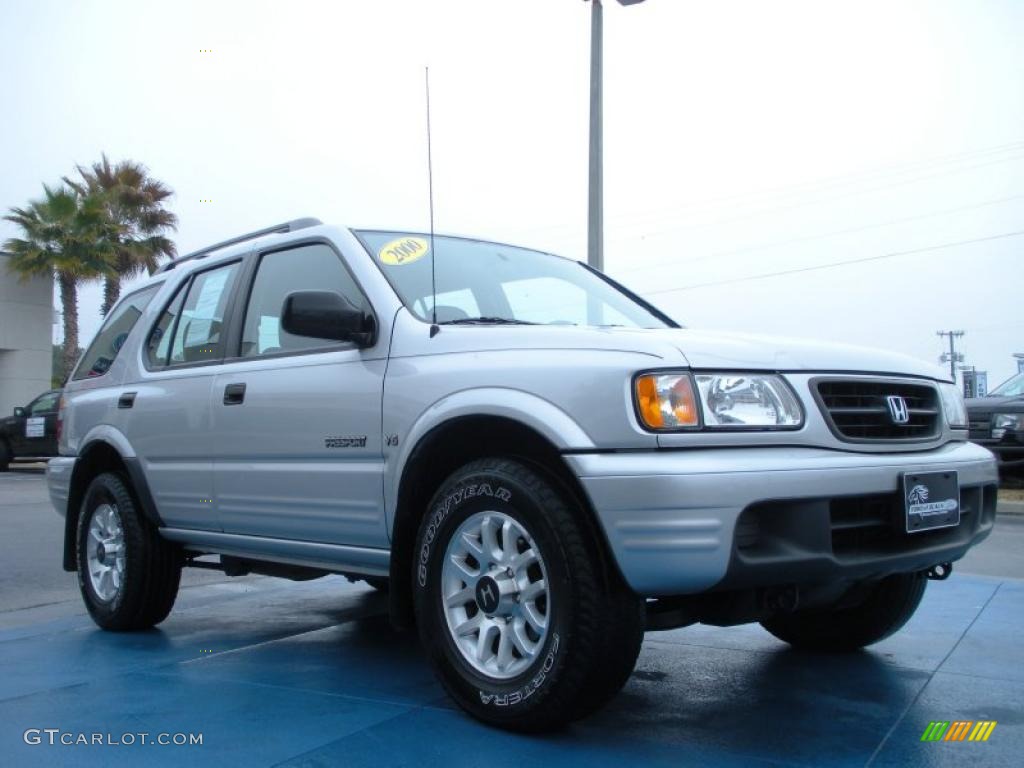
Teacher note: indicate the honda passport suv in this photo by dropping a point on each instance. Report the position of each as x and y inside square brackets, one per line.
[535, 463]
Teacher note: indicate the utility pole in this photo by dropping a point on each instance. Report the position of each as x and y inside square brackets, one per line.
[595, 196]
[951, 357]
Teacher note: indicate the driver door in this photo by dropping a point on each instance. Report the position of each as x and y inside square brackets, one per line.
[36, 432]
[296, 421]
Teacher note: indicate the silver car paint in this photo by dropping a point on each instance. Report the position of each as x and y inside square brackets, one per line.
[278, 492]
[669, 517]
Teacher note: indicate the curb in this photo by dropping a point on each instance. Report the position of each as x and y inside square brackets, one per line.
[1010, 508]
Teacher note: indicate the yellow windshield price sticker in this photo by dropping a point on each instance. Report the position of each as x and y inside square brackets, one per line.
[403, 250]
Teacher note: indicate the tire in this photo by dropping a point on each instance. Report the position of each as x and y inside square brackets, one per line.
[591, 624]
[5, 455]
[379, 583]
[888, 606]
[149, 569]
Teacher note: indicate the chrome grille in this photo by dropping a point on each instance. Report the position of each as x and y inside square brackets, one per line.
[857, 410]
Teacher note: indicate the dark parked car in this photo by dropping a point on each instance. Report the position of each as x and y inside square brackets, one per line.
[997, 421]
[31, 433]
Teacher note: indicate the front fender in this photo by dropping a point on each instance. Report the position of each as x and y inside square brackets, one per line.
[532, 411]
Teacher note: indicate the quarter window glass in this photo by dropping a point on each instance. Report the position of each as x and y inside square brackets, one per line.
[108, 342]
[199, 332]
[308, 268]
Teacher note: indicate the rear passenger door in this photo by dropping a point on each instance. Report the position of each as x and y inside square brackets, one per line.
[296, 423]
[169, 419]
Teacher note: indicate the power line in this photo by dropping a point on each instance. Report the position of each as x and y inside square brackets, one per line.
[808, 187]
[815, 201]
[823, 235]
[782, 273]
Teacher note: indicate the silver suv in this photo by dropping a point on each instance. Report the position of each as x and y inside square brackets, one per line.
[536, 464]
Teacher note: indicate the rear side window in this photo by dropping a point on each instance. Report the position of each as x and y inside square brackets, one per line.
[313, 267]
[191, 329]
[108, 342]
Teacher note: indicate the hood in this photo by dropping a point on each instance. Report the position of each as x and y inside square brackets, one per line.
[729, 350]
[669, 347]
[993, 404]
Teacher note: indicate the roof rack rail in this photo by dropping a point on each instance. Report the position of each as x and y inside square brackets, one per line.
[288, 226]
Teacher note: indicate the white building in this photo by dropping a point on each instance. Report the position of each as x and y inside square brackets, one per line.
[26, 331]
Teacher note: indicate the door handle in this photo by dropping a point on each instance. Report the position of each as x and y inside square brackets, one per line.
[126, 400]
[234, 394]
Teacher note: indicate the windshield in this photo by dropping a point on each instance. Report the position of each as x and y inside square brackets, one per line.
[1013, 387]
[480, 282]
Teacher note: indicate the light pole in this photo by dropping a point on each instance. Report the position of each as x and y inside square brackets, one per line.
[595, 196]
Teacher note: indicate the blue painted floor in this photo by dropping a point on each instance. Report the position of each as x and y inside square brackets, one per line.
[311, 675]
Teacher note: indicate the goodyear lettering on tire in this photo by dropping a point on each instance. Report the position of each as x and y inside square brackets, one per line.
[441, 512]
[403, 250]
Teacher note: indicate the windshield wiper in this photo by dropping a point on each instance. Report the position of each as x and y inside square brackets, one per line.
[486, 321]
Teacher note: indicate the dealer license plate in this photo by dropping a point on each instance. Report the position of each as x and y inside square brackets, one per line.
[932, 500]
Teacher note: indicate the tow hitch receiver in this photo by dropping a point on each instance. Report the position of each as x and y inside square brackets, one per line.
[940, 572]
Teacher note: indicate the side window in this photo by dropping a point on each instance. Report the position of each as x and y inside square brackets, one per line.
[191, 329]
[119, 323]
[198, 332]
[44, 404]
[306, 268]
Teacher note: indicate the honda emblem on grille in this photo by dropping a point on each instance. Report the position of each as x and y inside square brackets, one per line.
[898, 410]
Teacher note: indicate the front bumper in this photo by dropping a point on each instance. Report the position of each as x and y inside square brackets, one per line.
[58, 481]
[671, 517]
[1009, 451]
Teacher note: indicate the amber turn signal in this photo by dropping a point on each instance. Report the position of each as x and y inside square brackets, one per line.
[666, 401]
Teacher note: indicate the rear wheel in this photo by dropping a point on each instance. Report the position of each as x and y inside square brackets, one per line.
[5, 455]
[127, 573]
[525, 625]
[884, 609]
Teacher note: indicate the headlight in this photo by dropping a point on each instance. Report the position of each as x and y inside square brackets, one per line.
[745, 400]
[725, 400]
[1004, 421]
[953, 406]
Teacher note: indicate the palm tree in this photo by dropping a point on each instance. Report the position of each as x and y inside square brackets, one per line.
[64, 236]
[134, 204]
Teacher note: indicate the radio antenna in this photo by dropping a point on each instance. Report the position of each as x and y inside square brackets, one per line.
[434, 327]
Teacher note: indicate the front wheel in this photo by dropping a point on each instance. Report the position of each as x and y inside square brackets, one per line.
[883, 608]
[526, 626]
[127, 573]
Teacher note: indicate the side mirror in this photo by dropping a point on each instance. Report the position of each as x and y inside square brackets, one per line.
[20, 412]
[326, 315]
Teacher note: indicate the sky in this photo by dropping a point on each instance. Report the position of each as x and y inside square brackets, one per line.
[848, 171]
